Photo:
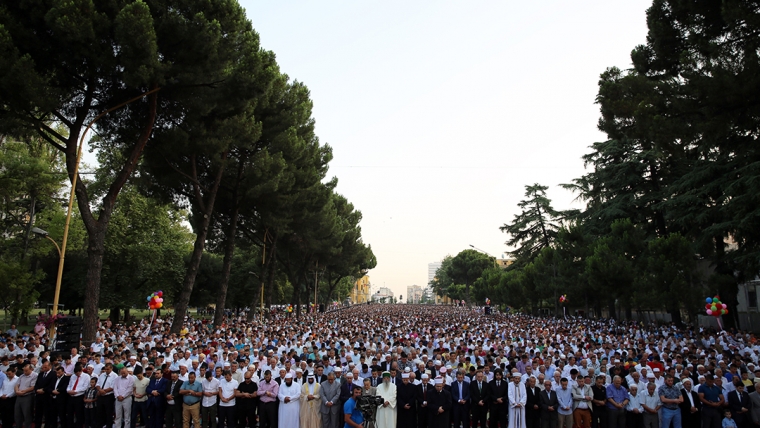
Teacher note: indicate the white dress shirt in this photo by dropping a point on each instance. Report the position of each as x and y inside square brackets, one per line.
[81, 385]
[106, 381]
[9, 387]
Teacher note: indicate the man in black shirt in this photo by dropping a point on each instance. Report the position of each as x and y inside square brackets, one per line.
[599, 415]
[246, 402]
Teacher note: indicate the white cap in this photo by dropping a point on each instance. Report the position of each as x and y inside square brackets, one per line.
[424, 376]
[438, 381]
[289, 375]
[405, 376]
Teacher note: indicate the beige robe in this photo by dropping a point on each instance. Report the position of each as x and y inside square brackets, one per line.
[310, 417]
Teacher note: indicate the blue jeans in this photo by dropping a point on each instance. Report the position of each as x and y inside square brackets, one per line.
[670, 415]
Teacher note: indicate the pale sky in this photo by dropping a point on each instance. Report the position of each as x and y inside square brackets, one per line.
[439, 113]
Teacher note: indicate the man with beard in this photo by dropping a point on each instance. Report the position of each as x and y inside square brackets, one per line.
[267, 393]
[310, 403]
[498, 400]
[289, 412]
[439, 405]
[517, 400]
[407, 403]
[386, 414]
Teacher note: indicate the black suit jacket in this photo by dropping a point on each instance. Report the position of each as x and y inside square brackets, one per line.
[736, 402]
[175, 392]
[46, 383]
[479, 394]
[345, 392]
[532, 399]
[686, 404]
[63, 384]
[375, 381]
[420, 398]
[497, 392]
[548, 401]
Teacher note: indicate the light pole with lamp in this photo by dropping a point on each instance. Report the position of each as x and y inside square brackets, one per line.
[54, 312]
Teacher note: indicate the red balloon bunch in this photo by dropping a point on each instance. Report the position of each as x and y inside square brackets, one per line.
[714, 307]
[156, 300]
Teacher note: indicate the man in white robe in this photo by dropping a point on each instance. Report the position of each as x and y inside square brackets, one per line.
[289, 412]
[310, 402]
[386, 414]
[517, 399]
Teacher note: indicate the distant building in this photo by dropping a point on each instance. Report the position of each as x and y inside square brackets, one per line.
[432, 268]
[383, 293]
[361, 291]
[429, 293]
[414, 294]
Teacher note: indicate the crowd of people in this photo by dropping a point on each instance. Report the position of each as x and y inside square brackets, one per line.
[387, 366]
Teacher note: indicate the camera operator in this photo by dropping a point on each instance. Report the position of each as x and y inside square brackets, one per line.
[351, 413]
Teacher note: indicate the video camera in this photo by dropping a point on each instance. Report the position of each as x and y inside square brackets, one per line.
[368, 405]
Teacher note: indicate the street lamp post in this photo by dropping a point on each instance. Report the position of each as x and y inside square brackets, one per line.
[45, 234]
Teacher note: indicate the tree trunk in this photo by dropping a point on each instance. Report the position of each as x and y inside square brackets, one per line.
[675, 315]
[207, 209]
[95, 252]
[126, 315]
[270, 268]
[298, 302]
[96, 228]
[180, 309]
[611, 308]
[586, 307]
[114, 315]
[229, 251]
[597, 309]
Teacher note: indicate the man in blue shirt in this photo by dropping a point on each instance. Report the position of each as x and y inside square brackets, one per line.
[565, 411]
[712, 400]
[617, 399]
[352, 415]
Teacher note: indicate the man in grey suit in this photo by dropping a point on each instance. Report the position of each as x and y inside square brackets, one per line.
[331, 406]
[754, 398]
